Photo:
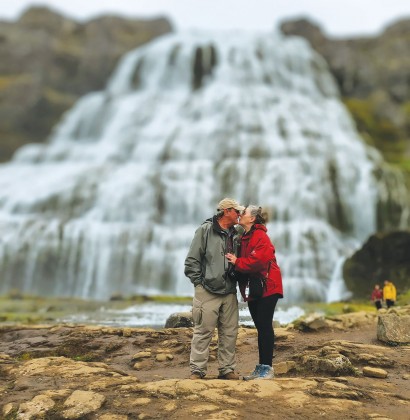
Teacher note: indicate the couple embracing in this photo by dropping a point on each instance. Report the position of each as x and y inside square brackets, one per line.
[217, 260]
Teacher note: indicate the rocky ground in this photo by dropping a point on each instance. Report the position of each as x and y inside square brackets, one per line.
[336, 370]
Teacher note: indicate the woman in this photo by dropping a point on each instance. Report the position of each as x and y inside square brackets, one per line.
[257, 256]
[377, 297]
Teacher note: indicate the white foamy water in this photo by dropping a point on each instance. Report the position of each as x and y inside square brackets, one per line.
[111, 203]
[283, 316]
[155, 315]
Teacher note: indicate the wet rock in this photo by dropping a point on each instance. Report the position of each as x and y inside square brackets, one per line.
[179, 319]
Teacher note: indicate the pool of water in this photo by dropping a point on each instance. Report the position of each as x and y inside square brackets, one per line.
[152, 314]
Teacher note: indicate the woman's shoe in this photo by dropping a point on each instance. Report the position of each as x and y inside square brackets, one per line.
[254, 374]
[265, 372]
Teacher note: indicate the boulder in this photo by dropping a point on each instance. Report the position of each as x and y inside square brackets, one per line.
[332, 364]
[81, 403]
[393, 328]
[36, 408]
[179, 320]
[312, 322]
[374, 372]
[284, 367]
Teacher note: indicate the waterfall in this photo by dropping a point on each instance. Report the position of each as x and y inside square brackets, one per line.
[337, 289]
[111, 202]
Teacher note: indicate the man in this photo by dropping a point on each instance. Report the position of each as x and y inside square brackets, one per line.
[389, 293]
[215, 302]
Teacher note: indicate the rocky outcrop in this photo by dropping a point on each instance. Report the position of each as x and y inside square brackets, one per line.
[47, 61]
[179, 319]
[382, 257]
[314, 376]
[394, 327]
[372, 74]
[317, 322]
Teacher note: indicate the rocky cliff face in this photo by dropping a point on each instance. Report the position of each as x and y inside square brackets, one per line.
[382, 257]
[47, 61]
[373, 77]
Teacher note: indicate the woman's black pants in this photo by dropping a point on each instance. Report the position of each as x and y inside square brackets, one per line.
[262, 311]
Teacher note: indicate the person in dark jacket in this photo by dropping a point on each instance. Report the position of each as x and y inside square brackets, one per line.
[257, 256]
[215, 302]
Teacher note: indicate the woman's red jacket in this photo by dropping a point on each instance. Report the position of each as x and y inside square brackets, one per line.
[257, 251]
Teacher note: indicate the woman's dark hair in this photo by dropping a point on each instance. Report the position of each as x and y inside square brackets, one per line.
[260, 217]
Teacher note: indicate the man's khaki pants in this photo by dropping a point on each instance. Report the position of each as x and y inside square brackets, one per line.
[210, 311]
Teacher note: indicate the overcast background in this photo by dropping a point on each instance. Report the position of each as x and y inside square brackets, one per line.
[339, 18]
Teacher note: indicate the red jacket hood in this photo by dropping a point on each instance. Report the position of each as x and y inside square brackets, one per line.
[256, 227]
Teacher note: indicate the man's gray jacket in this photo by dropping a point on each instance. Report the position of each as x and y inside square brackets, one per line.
[206, 263]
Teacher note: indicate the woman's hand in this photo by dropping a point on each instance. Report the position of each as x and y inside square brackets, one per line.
[231, 258]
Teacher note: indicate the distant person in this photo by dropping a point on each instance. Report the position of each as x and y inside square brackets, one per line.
[215, 302]
[257, 257]
[389, 293]
[377, 296]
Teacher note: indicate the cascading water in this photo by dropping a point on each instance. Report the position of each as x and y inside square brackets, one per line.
[112, 202]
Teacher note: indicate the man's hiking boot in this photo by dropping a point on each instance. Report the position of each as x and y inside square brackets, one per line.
[195, 375]
[230, 375]
[254, 374]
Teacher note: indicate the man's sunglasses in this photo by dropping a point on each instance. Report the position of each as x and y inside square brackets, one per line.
[237, 211]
